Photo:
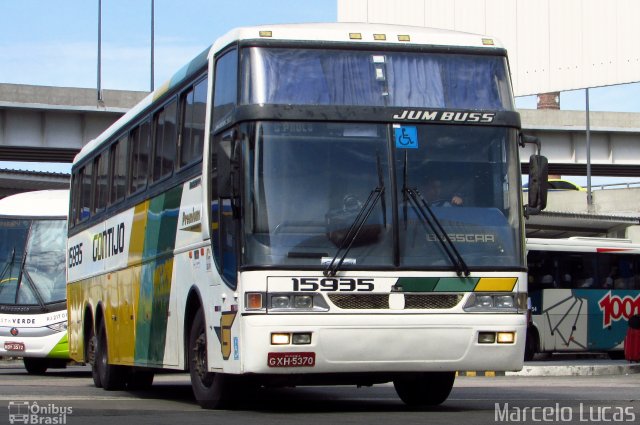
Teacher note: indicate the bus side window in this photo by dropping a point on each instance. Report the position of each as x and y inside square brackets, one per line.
[225, 228]
[101, 187]
[192, 120]
[541, 270]
[225, 86]
[164, 141]
[86, 174]
[139, 155]
[118, 170]
[580, 268]
[74, 210]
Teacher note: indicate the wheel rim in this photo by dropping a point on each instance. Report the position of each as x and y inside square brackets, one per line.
[91, 351]
[200, 360]
[102, 359]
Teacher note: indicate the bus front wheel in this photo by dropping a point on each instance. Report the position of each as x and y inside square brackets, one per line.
[211, 390]
[35, 366]
[530, 345]
[425, 389]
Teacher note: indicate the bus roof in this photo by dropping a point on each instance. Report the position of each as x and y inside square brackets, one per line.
[360, 33]
[582, 244]
[40, 203]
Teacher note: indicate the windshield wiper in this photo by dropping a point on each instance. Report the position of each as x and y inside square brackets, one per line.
[26, 277]
[425, 212]
[359, 221]
[354, 231]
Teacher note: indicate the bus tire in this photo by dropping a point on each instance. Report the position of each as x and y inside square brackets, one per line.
[530, 345]
[425, 389]
[90, 357]
[140, 379]
[211, 390]
[35, 366]
[112, 377]
[616, 355]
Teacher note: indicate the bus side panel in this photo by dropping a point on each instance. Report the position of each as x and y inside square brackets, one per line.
[155, 278]
[609, 313]
[583, 319]
[191, 266]
[75, 307]
[128, 283]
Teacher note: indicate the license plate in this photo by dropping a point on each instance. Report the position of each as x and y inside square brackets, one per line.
[14, 346]
[291, 359]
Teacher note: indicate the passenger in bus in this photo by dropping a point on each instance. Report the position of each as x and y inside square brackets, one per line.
[608, 281]
[434, 197]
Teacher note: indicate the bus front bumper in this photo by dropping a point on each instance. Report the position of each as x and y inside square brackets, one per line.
[381, 343]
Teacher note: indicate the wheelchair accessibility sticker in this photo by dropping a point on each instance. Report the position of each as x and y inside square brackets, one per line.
[406, 136]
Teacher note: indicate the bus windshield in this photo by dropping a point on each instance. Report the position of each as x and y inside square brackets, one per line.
[32, 261]
[309, 181]
[347, 77]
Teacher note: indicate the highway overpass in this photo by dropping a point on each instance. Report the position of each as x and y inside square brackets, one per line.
[51, 124]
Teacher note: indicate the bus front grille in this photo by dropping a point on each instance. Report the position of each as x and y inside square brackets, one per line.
[431, 301]
[360, 301]
[381, 301]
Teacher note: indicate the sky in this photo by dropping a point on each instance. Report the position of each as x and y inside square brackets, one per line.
[55, 43]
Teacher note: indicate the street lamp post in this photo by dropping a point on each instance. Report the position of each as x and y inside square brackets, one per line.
[152, 42]
[99, 84]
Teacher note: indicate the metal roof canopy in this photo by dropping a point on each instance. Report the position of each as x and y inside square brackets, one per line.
[15, 181]
[552, 224]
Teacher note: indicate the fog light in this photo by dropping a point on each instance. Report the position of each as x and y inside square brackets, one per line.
[280, 301]
[301, 339]
[486, 337]
[280, 339]
[506, 337]
[303, 301]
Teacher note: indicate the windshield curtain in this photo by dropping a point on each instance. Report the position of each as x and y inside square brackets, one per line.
[40, 246]
[403, 79]
[307, 183]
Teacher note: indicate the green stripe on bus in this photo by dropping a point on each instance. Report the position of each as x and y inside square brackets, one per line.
[155, 277]
[61, 349]
[417, 284]
[456, 284]
[437, 284]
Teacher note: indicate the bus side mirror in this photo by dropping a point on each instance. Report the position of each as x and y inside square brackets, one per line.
[538, 176]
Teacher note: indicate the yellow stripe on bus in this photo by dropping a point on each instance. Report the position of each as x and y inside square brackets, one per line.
[496, 284]
[138, 228]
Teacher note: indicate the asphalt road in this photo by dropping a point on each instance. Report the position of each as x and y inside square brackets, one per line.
[69, 397]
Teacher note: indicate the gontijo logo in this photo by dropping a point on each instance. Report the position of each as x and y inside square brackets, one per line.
[108, 242]
[615, 308]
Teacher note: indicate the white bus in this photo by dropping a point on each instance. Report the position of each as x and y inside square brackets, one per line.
[33, 310]
[260, 220]
[583, 292]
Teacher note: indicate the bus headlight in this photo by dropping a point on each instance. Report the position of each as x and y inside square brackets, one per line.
[296, 302]
[504, 301]
[58, 327]
[280, 301]
[500, 302]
